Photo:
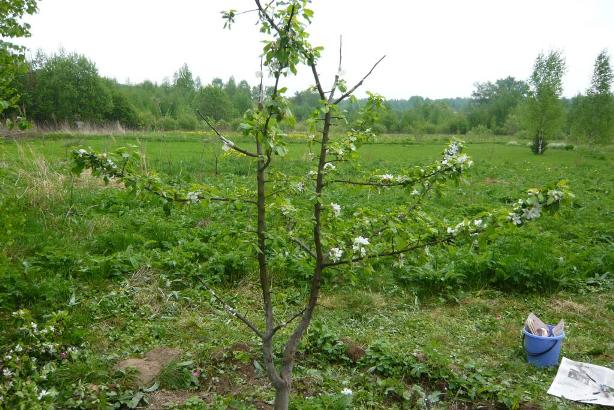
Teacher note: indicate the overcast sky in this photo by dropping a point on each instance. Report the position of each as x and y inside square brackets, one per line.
[434, 48]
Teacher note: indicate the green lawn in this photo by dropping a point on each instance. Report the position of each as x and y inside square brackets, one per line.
[445, 328]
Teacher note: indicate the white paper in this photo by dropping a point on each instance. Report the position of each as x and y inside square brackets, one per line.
[584, 382]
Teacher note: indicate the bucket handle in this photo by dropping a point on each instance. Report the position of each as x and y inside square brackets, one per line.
[538, 354]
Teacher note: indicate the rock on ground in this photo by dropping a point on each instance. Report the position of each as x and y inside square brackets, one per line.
[149, 367]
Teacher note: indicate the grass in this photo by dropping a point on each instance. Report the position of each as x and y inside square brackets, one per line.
[444, 330]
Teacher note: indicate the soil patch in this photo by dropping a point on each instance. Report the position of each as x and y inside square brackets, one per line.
[149, 367]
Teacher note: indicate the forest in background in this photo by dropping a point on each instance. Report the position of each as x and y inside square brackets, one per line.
[65, 90]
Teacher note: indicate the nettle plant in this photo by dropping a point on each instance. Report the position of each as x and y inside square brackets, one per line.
[300, 222]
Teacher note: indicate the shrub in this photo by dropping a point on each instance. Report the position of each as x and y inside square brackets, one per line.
[167, 123]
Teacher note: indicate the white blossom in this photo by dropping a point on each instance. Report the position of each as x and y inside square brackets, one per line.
[33, 325]
[82, 152]
[415, 192]
[287, 209]
[514, 218]
[336, 209]
[533, 213]
[450, 156]
[386, 178]
[477, 223]
[300, 186]
[42, 394]
[459, 226]
[338, 151]
[359, 245]
[347, 391]
[335, 254]
[18, 348]
[555, 194]
[49, 347]
[7, 372]
[452, 149]
[329, 165]
[193, 197]
[227, 146]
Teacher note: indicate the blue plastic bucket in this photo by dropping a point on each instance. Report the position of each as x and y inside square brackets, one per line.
[542, 351]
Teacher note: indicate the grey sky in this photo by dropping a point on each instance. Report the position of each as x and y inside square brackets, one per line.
[434, 48]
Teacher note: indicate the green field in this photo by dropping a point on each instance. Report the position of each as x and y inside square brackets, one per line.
[442, 331]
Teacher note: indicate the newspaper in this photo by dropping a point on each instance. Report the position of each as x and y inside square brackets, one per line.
[535, 326]
[584, 382]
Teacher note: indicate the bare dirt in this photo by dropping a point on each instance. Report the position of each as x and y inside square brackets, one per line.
[149, 367]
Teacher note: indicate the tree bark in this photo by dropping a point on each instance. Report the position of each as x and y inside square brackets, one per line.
[282, 398]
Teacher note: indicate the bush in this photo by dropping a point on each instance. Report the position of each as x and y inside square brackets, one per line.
[479, 132]
[146, 120]
[187, 122]
[167, 123]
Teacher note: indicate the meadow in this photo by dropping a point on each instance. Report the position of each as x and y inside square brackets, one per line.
[119, 277]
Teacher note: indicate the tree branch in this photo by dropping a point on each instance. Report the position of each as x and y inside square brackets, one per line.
[276, 89]
[266, 15]
[200, 197]
[351, 90]
[261, 88]
[336, 80]
[303, 246]
[316, 78]
[282, 325]
[225, 140]
[393, 184]
[390, 253]
[277, 192]
[232, 311]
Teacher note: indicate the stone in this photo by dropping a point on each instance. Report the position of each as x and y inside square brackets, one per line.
[149, 367]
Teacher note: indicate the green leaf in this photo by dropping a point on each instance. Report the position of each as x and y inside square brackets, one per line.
[280, 150]
[152, 388]
[259, 369]
[135, 400]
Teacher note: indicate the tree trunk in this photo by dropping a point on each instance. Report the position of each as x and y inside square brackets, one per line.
[282, 397]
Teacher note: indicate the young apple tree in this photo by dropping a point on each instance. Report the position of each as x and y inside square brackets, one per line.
[303, 218]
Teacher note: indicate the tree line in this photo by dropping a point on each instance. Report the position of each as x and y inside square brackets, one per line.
[66, 88]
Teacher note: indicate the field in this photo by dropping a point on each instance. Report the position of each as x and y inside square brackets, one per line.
[442, 331]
